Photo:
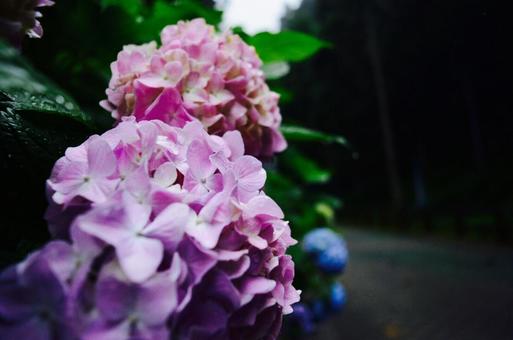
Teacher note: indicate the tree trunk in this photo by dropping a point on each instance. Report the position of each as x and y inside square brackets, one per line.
[383, 108]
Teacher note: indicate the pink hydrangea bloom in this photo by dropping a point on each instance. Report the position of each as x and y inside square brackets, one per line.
[174, 223]
[198, 73]
[20, 17]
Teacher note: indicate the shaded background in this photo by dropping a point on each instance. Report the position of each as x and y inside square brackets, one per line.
[423, 92]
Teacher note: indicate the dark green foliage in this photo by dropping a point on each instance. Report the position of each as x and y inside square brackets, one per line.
[302, 134]
[24, 89]
[285, 46]
[301, 195]
[447, 76]
[37, 122]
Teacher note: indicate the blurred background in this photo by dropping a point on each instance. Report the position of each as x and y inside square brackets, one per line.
[423, 94]
[414, 101]
[422, 91]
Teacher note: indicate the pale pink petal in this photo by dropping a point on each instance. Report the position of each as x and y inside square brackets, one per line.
[140, 257]
[195, 97]
[106, 223]
[251, 176]
[262, 206]
[238, 111]
[220, 161]
[257, 241]
[205, 233]
[149, 133]
[169, 226]
[198, 157]
[175, 72]
[235, 143]
[251, 286]
[221, 97]
[279, 142]
[230, 255]
[70, 178]
[214, 216]
[97, 189]
[77, 154]
[256, 285]
[218, 210]
[101, 160]
[165, 175]
[137, 213]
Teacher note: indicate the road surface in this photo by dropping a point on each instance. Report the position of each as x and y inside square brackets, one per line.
[412, 288]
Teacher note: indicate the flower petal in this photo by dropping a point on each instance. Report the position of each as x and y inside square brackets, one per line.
[140, 257]
[170, 225]
[100, 158]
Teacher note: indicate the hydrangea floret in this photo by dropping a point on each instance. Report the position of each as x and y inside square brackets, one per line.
[166, 233]
[338, 297]
[198, 73]
[327, 249]
[20, 17]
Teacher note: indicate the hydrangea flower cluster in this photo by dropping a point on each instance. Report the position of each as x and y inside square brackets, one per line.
[334, 302]
[328, 252]
[20, 17]
[166, 233]
[327, 249]
[198, 74]
[306, 316]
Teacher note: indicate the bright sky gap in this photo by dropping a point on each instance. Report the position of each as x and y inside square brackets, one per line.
[256, 15]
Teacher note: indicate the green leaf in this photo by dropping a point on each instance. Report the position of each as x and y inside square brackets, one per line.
[286, 46]
[164, 13]
[193, 9]
[305, 167]
[37, 119]
[281, 188]
[276, 70]
[286, 96]
[241, 33]
[151, 19]
[302, 134]
[30, 143]
[24, 89]
[133, 7]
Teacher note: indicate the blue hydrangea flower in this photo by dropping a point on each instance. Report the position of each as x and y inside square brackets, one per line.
[302, 315]
[327, 249]
[319, 310]
[337, 297]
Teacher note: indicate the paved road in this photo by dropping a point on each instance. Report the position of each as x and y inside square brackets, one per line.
[408, 288]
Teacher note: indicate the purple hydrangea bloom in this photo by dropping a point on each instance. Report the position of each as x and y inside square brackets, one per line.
[35, 294]
[327, 249]
[172, 237]
[198, 74]
[20, 17]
